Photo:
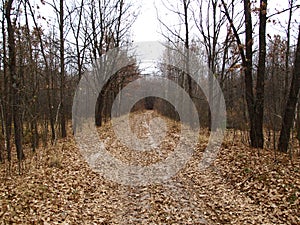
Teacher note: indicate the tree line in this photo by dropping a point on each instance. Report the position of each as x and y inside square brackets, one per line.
[43, 57]
[242, 53]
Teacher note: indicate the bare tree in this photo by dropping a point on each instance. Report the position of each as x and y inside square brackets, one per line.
[77, 23]
[260, 81]
[62, 69]
[254, 102]
[180, 40]
[34, 114]
[287, 53]
[275, 76]
[110, 23]
[6, 90]
[47, 71]
[210, 28]
[15, 82]
[290, 108]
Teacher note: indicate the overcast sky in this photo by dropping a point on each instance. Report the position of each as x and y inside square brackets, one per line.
[147, 27]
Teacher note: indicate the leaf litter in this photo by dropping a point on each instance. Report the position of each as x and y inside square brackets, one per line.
[242, 186]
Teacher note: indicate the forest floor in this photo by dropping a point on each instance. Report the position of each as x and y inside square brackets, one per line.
[242, 186]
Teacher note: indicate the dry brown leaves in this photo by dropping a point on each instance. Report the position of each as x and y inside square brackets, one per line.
[243, 186]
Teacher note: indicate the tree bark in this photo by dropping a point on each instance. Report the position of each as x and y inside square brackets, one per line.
[259, 104]
[287, 53]
[6, 94]
[62, 70]
[187, 80]
[248, 72]
[254, 102]
[290, 108]
[15, 83]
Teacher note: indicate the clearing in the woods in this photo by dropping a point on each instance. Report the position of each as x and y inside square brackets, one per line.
[242, 186]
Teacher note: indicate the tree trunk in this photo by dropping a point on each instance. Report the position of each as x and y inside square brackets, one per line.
[255, 107]
[62, 71]
[290, 108]
[98, 111]
[259, 103]
[15, 83]
[6, 96]
[248, 73]
[287, 54]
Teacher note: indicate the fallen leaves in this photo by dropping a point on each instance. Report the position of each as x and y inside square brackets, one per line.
[243, 186]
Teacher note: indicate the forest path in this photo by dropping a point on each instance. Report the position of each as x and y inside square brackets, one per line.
[59, 187]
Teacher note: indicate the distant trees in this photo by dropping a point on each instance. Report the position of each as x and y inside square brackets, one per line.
[216, 46]
[275, 77]
[247, 56]
[43, 59]
[110, 23]
[181, 36]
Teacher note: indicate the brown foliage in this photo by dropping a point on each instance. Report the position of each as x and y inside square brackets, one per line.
[243, 186]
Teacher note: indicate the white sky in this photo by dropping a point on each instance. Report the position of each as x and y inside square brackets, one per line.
[146, 27]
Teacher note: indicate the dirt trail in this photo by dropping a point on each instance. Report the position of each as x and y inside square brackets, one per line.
[59, 187]
[191, 197]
